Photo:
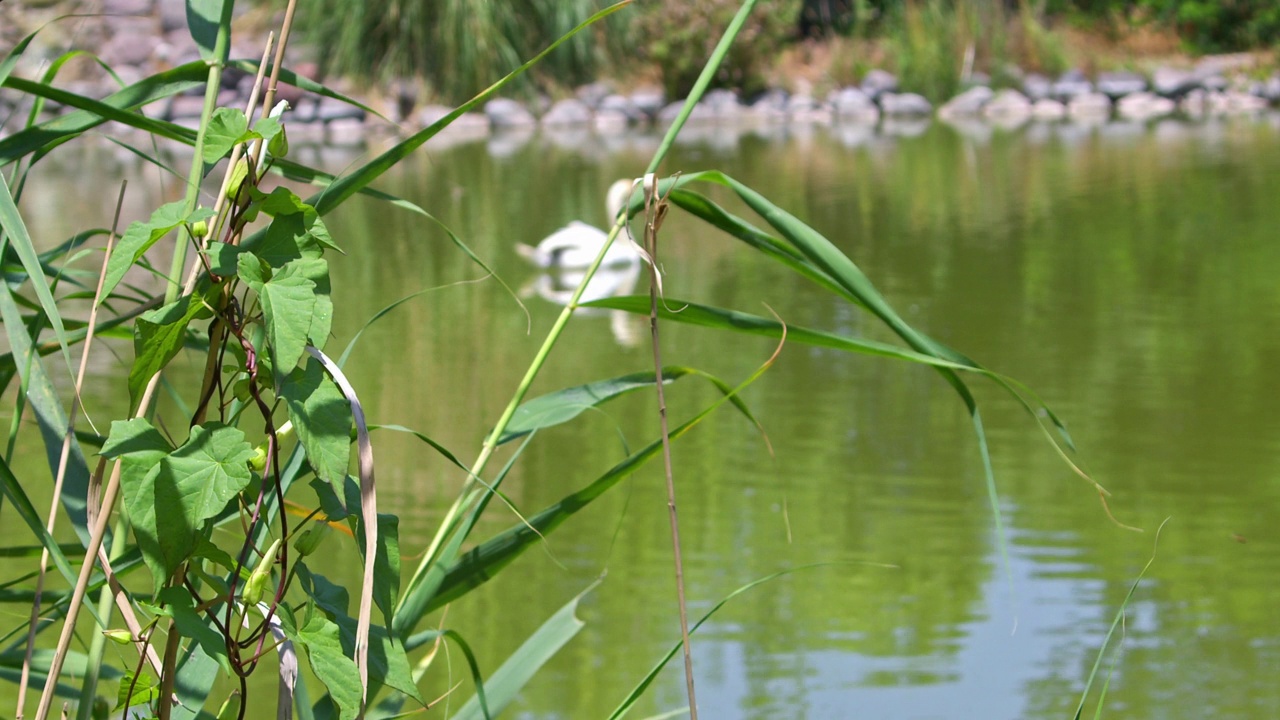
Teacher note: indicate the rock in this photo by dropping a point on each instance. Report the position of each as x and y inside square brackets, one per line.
[173, 15]
[129, 46]
[1174, 83]
[701, 113]
[1008, 105]
[345, 131]
[1271, 88]
[723, 102]
[608, 120]
[1144, 106]
[1214, 83]
[649, 101]
[126, 7]
[852, 104]
[977, 79]
[905, 127]
[1037, 87]
[1089, 106]
[507, 113]
[1071, 84]
[567, 112]
[329, 110]
[1048, 110]
[801, 103]
[879, 82]
[304, 111]
[306, 134]
[1194, 103]
[806, 109]
[967, 104]
[904, 105]
[186, 107]
[592, 94]
[622, 104]
[471, 122]
[771, 106]
[1235, 102]
[1118, 84]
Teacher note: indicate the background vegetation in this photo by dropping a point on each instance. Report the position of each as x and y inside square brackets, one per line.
[455, 45]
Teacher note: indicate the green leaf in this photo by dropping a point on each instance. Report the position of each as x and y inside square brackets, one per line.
[140, 236]
[564, 405]
[158, 336]
[15, 230]
[210, 25]
[388, 663]
[223, 258]
[140, 448]
[322, 417]
[506, 682]
[288, 306]
[227, 128]
[179, 605]
[170, 506]
[386, 565]
[145, 690]
[322, 640]
[267, 128]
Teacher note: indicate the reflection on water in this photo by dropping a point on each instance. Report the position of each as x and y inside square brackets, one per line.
[558, 286]
[1126, 272]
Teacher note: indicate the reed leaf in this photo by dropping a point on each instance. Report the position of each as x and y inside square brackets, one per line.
[67, 127]
[506, 682]
[15, 234]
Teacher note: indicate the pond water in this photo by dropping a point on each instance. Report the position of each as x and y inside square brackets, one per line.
[1126, 273]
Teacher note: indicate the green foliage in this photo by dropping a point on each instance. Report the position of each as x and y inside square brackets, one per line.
[262, 281]
[1218, 26]
[457, 46]
[678, 36]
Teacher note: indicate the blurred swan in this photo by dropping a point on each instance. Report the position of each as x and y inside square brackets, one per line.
[577, 244]
[558, 288]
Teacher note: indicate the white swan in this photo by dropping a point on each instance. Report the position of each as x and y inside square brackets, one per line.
[577, 244]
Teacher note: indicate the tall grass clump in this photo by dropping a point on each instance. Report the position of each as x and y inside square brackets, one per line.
[269, 445]
[937, 44]
[457, 46]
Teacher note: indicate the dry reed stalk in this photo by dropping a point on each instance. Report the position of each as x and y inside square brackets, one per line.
[655, 209]
[52, 522]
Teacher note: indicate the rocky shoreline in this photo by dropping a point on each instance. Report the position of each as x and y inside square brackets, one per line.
[139, 37]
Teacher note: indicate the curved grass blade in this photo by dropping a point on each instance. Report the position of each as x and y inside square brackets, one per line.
[1119, 618]
[305, 83]
[506, 682]
[644, 684]
[564, 405]
[12, 226]
[483, 562]
[49, 415]
[148, 90]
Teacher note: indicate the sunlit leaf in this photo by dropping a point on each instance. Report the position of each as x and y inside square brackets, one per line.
[322, 417]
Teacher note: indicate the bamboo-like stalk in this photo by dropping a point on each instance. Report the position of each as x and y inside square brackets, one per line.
[61, 476]
[655, 208]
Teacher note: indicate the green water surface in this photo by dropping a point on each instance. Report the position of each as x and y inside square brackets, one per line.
[1127, 273]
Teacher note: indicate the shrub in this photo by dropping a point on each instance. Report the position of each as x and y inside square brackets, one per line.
[678, 36]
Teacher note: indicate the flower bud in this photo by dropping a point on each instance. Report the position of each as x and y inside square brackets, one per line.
[118, 635]
[199, 229]
[310, 539]
[256, 586]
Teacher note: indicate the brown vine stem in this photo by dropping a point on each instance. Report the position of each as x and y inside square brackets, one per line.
[64, 457]
[655, 209]
[113, 485]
